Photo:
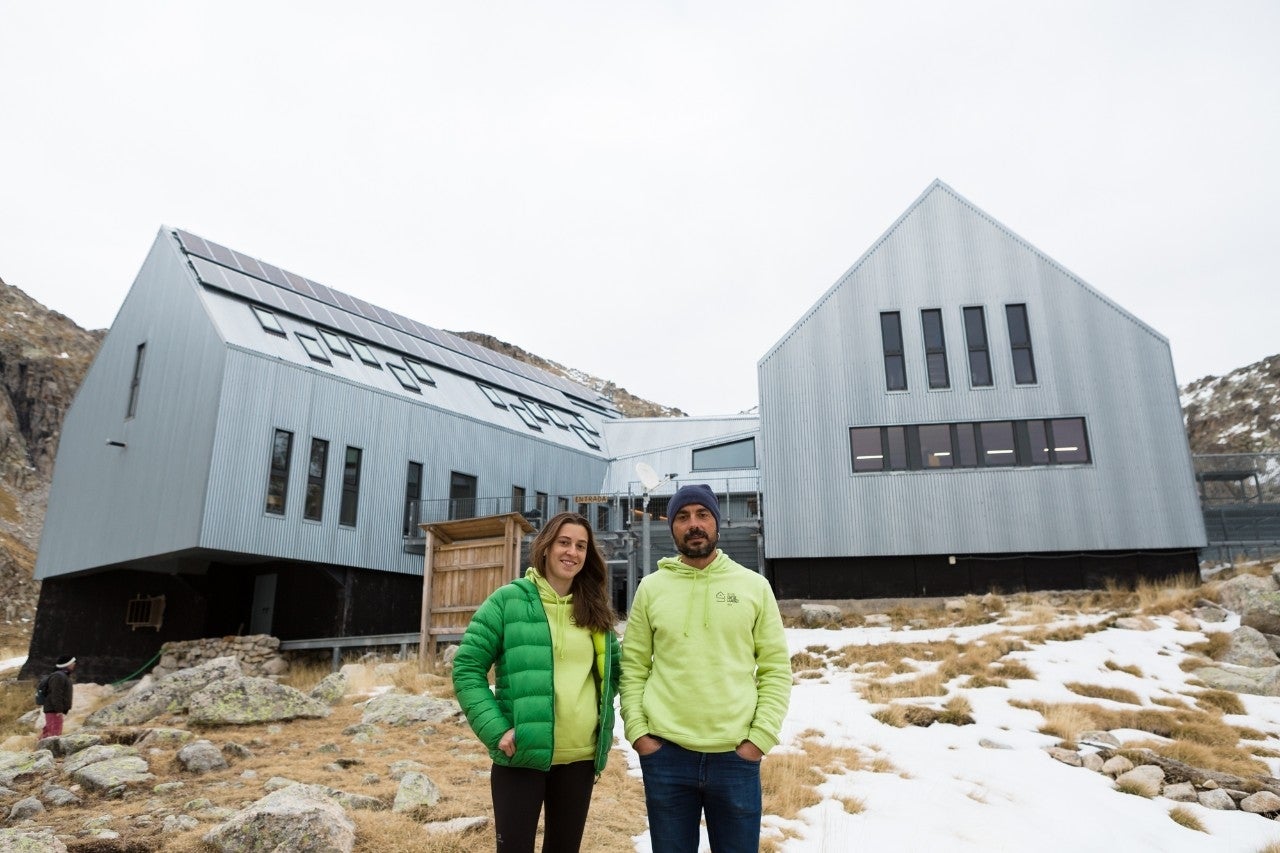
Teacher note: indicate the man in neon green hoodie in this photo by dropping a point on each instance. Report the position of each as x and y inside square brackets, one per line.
[705, 683]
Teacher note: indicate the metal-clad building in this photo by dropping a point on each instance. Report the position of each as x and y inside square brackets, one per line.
[256, 450]
[959, 413]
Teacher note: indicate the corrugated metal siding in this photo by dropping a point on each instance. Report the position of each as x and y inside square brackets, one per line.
[109, 504]
[1092, 359]
[262, 394]
[667, 444]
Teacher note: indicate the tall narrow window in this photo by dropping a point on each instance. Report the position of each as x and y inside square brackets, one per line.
[540, 504]
[935, 348]
[895, 367]
[517, 498]
[278, 479]
[975, 338]
[350, 487]
[462, 495]
[136, 383]
[313, 506]
[1024, 364]
[412, 499]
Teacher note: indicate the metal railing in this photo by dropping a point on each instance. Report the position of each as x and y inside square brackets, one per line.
[1237, 478]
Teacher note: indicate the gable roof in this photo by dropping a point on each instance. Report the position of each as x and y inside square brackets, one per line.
[935, 188]
[527, 389]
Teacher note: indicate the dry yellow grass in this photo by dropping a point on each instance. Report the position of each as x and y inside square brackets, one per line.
[1135, 671]
[1183, 816]
[1101, 691]
[1213, 646]
[1222, 700]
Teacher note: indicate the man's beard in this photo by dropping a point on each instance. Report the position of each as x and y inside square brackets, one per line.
[705, 548]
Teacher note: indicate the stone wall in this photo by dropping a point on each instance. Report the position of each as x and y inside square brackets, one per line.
[259, 655]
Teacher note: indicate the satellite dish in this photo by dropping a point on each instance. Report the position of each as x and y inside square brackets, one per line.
[648, 477]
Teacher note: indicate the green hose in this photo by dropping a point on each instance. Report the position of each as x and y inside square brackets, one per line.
[138, 670]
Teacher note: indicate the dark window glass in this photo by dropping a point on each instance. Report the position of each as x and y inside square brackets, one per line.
[935, 446]
[975, 337]
[1069, 442]
[734, 454]
[350, 487]
[867, 449]
[278, 478]
[135, 384]
[412, 499]
[517, 498]
[1024, 365]
[540, 503]
[896, 443]
[602, 516]
[935, 348]
[462, 495]
[313, 504]
[562, 504]
[997, 443]
[895, 368]
[966, 448]
[1037, 443]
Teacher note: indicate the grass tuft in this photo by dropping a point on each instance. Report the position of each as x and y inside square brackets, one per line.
[1183, 816]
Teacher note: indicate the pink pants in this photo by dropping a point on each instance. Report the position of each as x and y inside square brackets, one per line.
[52, 725]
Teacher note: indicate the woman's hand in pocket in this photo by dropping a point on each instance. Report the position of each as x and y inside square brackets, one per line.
[507, 743]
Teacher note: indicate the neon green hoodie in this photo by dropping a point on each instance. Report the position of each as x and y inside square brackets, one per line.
[704, 659]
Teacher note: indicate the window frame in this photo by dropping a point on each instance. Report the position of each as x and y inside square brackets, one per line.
[334, 341]
[402, 375]
[316, 482]
[364, 352]
[278, 472]
[492, 395]
[268, 320]
[135, 383]
[420, 372]
[935, 351]
[412, 496]
[977, 350]
[349, 506]
[895, 357]
[1018, 320]
[313, 348]
[695, 466]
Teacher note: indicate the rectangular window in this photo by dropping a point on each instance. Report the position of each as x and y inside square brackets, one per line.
[336, 346]
[535, 409]
[350, 487]
[867, 448]
[526, 416]
[935, 348]
[412, 499]
[493, 395]
[517, 498]
[403, 377]
[562, 504]
[135, 384]
[364, 353]
[1024, 363]
[462, 495]
[278, 478]
[935, 446]
[966, 448]
[1037, 443]
[267, 320]
[587, 438]
[975, 338]
[997, 443]
[313, 505]
[1068, 440]
[721, 457]
[313, 348]
[420, 372]
[540, 504]
[555, 417]
[587, 425]
[895, 366]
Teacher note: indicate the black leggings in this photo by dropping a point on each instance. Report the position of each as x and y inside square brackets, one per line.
[519, 794]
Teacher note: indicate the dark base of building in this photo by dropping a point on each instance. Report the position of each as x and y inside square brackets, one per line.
[85, 615]
[935, 575]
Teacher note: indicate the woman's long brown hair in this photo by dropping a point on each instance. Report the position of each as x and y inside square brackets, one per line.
[590, 586]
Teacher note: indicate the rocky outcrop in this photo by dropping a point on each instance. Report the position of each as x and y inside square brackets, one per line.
[299, 818]
[151, 698]
[241, 701]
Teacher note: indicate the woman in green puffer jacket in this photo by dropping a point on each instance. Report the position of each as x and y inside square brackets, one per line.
[548, 721]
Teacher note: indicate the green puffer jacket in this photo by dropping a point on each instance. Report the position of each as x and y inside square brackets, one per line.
[511, 630]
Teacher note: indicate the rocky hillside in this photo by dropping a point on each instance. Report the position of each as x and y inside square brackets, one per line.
[43, 358]
[1236, 413]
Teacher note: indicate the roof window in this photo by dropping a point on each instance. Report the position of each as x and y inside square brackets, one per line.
[555, 417]
[419, 370]
[587, 438]
[403, 376]
[267, 320]
[524, 415]
[493, 395]
[535, 410]
[334, 342]
[365, 354]
[313, 348]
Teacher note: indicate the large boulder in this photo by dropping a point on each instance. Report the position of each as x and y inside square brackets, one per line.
[399, 709]
[1249, 647]
[114, 774]
[331, 689]
[1256, 599]
[1256, 681]
[201, 757]
[168, 695]
[416, 791]
[18, 766]
[299, 818]
[240, 701]
[30, 841]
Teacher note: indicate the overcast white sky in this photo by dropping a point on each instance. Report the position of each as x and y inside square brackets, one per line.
[652, 192]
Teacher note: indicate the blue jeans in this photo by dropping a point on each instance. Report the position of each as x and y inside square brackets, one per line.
[680, 785]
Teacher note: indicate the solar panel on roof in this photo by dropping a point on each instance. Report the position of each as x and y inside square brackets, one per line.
[274, 274]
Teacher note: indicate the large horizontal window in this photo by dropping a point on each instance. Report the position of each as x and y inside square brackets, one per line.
[984, 444]
[720, 457]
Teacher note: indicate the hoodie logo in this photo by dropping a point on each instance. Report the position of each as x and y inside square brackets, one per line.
[727, 597]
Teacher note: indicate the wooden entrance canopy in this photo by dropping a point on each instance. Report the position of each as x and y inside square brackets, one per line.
[465, 561]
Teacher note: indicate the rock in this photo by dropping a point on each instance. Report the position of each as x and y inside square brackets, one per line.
[63, 745]
[877, 620]
[1092, 761]
[275, 783]
[1097, 738]
[331, 689]
[1207, 611]
[1182, 792]
[1066, 756]
[1256, 681]
[816, 615]
[299, 819]
[407, 765]
[1256, 599]
[114, 774]
[25, 808]
[1249, 647]
[30, 841]
[398, 709]
[168, 787]
[1217, 799]
[1146, 779]
[458, 825]
[1263, 802]
[1136, 623]
[169, 694]
[56, 795]
[416, 791]
[15, 766]
[251, 700]
[201, 757]
[235, 750]
[178, 823]
[275, 667]
[163, 737]
[93, 754]
[954, 605]
[1116, 764]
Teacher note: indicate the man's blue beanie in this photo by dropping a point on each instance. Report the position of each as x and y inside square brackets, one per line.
[697, 493]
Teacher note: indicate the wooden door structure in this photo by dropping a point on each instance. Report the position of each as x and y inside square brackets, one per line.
[466, 560]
